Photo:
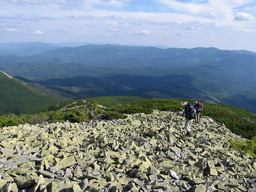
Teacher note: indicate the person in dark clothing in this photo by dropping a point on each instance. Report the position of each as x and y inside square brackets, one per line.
[189, 112]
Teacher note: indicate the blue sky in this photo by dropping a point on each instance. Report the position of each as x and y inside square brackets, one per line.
[225, 24]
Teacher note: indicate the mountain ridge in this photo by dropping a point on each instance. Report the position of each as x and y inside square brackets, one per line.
[26, 48]
[221, 76]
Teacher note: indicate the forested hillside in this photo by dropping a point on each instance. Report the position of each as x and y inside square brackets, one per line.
[209, 74]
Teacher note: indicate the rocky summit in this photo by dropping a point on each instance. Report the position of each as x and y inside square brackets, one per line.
[138, 154]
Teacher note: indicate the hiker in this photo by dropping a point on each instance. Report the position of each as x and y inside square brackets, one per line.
[199, 106]
[189, 112]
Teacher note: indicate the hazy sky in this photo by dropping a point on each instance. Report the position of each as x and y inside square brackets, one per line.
[225, 24]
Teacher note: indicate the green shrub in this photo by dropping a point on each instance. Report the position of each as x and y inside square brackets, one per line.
[247, 146]
[133, 109]
[75, 115]
[12, 120]
[114, 100]
[109, 115]
[237, 120]
[148, 105]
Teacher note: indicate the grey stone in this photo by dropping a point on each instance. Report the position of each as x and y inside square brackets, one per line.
[251, 175]
[46, 173]
[210, 169]
[24, 182]
[201, 163]
[53, 169]
[198, 188]
[174, 175]
[10, 187]
[61, 186]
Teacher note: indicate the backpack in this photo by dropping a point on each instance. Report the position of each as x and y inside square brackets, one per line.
[190, 111]
[199, 107]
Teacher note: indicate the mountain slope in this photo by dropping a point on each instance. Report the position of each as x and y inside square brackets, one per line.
[20, 97]
[140, 153]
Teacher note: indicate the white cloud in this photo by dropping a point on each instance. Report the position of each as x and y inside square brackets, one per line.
[87, 3]
[75, 16]
[142, 32]
[184, 7]
[12, 29]
[120, 21]
[108, 2]
[119, 32]
[208, 9]
[242, 16]
[191, 27]
[37, 31]
[36, 1]
[113, 17]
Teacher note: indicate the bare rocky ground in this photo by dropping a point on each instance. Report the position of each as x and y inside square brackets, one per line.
[140, 153]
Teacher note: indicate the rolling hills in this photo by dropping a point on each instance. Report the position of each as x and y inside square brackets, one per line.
[209, 74]
[20, 97]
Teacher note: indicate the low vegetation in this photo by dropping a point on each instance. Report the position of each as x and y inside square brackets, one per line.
[247, 146]
[237, 120]
[114, 100]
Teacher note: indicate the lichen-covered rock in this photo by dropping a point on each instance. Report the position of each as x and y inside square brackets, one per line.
[10, 187]
[2, 183]
[141, 153]
[66, 162]
[198, 188]
[24, 182]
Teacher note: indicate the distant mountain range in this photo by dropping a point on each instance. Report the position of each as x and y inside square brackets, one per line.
[20, 97]
[208, 74]
[25, 49]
